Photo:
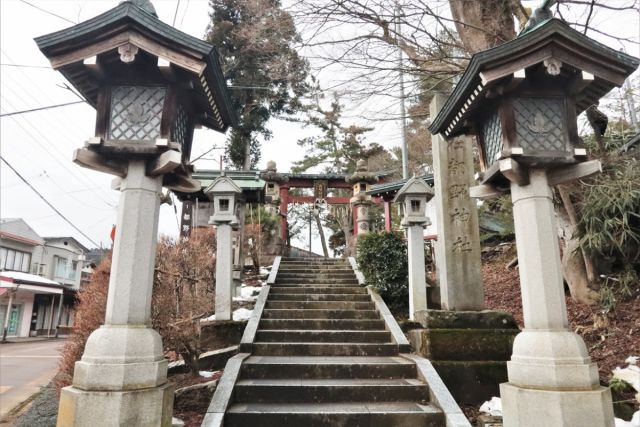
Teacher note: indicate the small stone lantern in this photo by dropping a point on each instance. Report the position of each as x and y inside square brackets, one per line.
[414, 195]
[360, 201]
[520, 100]
[224, 193]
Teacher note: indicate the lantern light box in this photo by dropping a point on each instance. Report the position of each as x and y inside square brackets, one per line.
[521, 100]
[151, 86]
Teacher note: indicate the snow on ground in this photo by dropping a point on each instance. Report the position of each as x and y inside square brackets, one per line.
[207, 374]
[248, 293]
[635, 421]
[492, 407]
[239, 314]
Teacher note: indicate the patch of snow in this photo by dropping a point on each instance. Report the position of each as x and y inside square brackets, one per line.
[242, 314]
[630, 374]
[632, 360]
[176, 422]
[492, 407]
[206, 319]
[207, 374]
[264, 270]
[248, 293]
[635, 421]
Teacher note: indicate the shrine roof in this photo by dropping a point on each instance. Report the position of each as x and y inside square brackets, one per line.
[390, 188]
[553, 38]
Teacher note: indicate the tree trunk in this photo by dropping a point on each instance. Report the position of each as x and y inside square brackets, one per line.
[484, 24]
[573, 266]
[191, 360]
[325, 251]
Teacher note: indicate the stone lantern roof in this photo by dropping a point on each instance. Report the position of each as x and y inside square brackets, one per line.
[89, 53]
[414, 187]
[592, 68]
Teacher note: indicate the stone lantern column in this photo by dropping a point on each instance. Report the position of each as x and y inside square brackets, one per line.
[123, 360]
[551, 376]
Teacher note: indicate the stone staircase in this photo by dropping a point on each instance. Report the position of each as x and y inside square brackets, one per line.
[320, 351]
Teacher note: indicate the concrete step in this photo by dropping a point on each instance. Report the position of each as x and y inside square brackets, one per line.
[330, 390]
[270, 313]
[322, 335]
[354, 414]
[322, 324]
[319, 297]
[305, 367]
[324, 349]
[320, 305]
[307, 268]
[275, 289]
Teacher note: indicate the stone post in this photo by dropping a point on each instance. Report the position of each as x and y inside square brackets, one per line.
[224, 270]
[551, 377]
[362, 207]
[458, 245]
[361, 202]
[122, 376]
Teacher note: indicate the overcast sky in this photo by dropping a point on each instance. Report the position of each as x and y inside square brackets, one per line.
[39, 145]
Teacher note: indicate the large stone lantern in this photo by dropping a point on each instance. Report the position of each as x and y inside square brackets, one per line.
[360, 201]
[521, 100]
[224, 193]
[414, 195]
[273, 180]
[151, 85]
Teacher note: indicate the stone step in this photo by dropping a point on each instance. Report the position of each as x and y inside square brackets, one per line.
[330, 390]
[304, 367]
[320, 305]
[323, 324]
[356, 414]
[313, 264]
[307, 273]
[307, 268]
[319, 297]
[270, 313]
[316, 280]
[349, 290]
[324, 349]
[322, 335]
[317, 285]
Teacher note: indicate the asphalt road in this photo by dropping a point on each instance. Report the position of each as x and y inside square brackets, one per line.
[24, 368]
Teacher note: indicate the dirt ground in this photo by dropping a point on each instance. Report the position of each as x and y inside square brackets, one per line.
[610, 337]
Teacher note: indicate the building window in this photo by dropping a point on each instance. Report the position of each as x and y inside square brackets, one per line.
[11, 259]
[60, 267]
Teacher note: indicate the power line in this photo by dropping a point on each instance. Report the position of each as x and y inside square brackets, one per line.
[175, 15]
[41, 108]
[45, 67]
[48, 12]
[47, 202]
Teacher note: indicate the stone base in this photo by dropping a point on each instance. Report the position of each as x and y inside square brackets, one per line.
[523, 407]
[472, 382]
[151, 407]
[468, 349]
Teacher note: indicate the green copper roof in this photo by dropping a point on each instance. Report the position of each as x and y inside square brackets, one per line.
[542, 36]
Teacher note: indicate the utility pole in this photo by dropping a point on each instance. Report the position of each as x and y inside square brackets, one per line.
[403, 113]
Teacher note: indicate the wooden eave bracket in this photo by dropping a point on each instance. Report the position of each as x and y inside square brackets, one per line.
[512, 170]
[165, 163]
[574, 172]
[92, 160]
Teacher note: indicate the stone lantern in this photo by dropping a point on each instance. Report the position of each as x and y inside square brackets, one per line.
[151, 85]
[414, 195]
[224, 193]
[273, 180]
[361, 202]
[521, 100]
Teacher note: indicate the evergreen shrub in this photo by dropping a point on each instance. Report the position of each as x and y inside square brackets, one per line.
[382, 258]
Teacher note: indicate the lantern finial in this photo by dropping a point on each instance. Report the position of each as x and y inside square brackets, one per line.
[145, 5]
[541, 14]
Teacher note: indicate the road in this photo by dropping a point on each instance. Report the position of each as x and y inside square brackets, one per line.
[24, 368]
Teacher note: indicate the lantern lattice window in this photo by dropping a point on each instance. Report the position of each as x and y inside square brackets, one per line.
[181, 126]
[136, 112]
[492, 137]
[540, 124]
